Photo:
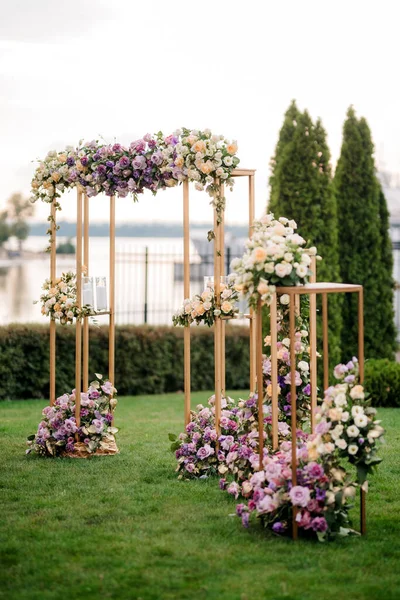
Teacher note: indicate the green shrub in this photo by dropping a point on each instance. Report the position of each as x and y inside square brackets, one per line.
[149, 360]
[382, 381]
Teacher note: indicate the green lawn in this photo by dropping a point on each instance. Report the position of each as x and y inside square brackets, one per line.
[124, 527]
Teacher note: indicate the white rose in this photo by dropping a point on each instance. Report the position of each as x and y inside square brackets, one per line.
[352, 431]
[269, 267]
[228, 161]
[340, 399]
[341, 443]
[352, 449]
[361, 420]
[357, 411]
[280, 270]
[285, 299]
[303, 365]
[306, 260]
[286, 342]
[302, 270]
[337, 432]
[345, 416]
[288, 256]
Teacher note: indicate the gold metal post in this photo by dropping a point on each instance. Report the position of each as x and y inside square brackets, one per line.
[52, 321]
[186, 292]
[274, 370]
[253, 332]
[363, 507]
[111, 342]
[313, 345]
[85, 369]
[325, 339]
[222, 270]
[260, 382]
[78, 338]
[293, 404]
[217, 324]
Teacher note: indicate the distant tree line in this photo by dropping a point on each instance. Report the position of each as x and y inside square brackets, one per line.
[13, 219]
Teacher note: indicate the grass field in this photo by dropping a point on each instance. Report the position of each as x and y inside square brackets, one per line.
[123, 527]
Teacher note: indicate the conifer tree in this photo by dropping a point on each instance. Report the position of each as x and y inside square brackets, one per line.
[301, 189]
[363, 227]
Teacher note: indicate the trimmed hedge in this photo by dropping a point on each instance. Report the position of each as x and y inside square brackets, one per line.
[149, 360]
[382, 381]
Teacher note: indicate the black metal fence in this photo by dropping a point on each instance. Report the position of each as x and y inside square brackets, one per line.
[150, 280]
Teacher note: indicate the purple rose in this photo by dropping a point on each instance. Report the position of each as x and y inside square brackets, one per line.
[139, 163]
[222, 484]
[323, 427]
[157, 158]
[299, 495]
[98, 425]
[117, 148]
[205, 451]
[307, 390]
[138, 146]
[190, 467]
[124, 162]
[319, 524]
[245, 519]
[320, 494]
[314, 470]
[278, 527]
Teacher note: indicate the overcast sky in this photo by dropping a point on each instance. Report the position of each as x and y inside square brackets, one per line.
[83, 68]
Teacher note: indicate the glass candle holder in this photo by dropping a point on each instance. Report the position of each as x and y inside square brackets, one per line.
[87, 291]
[101, 293]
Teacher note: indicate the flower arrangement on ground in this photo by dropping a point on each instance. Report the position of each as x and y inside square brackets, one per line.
[196, 448]
[204, 307]
[321, 496]
[58, 433]
[347, 420]
[275, 255]
[58, 301]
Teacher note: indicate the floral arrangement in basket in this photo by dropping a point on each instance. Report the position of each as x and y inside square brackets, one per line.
[153, 162]
[275, 255]
[58, 301]
[204, 307]
[347, 420]
[58, 433]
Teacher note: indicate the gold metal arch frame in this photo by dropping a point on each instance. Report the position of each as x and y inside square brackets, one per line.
[312, 290]
[82, 328]
[219, 326]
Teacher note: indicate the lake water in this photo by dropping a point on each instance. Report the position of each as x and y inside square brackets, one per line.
[21, 280]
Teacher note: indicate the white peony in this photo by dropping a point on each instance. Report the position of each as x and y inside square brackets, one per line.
[352, 449]
[302, 270]
[303, 365]
[357, 411]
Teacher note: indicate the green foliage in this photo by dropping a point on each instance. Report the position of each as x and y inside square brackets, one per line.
[301, 189]
[382, 381]
[123, 527]
[148, 359]
[364, 242]
[4, 228]
[66, 247]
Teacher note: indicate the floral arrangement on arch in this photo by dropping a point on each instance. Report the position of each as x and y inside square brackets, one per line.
[204, 307]
[275, 255]
[153, 162]
[58, 432]
[58, 301]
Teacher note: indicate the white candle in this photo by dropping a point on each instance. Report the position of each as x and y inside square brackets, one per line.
[87, 294]
[101, 297]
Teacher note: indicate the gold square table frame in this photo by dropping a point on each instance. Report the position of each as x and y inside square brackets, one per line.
[312, 289]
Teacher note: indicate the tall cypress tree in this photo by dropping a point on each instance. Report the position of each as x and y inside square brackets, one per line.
[301, 189]
[362, 232]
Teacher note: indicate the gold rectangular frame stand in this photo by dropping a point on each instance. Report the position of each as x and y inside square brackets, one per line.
[312, 289]
[219, 326]
[82, 329]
